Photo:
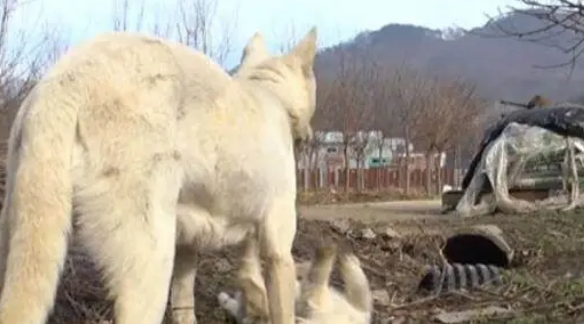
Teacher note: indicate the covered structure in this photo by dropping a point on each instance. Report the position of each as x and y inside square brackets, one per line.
[537, 150]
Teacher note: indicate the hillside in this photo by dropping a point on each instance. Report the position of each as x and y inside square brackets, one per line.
[503, 68]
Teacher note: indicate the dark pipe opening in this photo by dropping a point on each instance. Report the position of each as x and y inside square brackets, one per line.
[473, 249]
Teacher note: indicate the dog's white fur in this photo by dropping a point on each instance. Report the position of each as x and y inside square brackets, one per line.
[316, 301]
[121, 129]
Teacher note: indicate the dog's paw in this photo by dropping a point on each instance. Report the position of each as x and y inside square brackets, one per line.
[234, 305]
[231, 305]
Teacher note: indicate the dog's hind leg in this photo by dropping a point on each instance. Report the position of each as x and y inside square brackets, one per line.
[315, 288]
[357, 289]
[276, 236]
[128, 223]
[182, 298]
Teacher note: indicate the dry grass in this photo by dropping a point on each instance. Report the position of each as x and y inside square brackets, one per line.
[81, 297]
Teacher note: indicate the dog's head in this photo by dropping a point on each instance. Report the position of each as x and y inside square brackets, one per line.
[289, 77]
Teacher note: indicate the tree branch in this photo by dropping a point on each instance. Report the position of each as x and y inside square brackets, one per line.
[560, 25]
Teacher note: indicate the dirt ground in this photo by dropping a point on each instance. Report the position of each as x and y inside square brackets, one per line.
[546, 284]
[370, 212]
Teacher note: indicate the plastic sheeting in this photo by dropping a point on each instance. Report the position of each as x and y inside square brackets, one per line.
[540, 149]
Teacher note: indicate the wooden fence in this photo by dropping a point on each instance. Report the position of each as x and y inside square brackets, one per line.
[374, 179]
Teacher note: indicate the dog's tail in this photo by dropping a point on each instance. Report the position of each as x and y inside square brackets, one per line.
[357, 290]
[315, 288]
[38, 202]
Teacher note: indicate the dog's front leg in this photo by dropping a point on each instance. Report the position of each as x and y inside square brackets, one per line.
[276, 238]
[182, 297]
[252, 284]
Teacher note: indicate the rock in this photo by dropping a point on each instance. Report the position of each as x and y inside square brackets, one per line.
[393, 320]
[381, 296]
[470, 315]
[398, 320]
[368, 234]
[341, 225]
[436, 310]
[393, 246]
[222, 265]
[390, 233]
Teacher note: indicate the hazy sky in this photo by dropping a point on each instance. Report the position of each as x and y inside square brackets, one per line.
[277, 19]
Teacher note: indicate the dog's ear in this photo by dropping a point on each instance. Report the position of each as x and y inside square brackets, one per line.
[305, 50]
[255, 52]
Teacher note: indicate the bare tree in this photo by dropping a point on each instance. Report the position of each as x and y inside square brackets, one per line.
[308, 156]
[376, 147]
[322, 122]
[24, 56]
[197, 26]
[405, 106]
[466, 108]
[560, 24]
[124, 14]
[287, 36]
[350, 106]
[432, 125]
[449, 105]
[195, 23]
[387, 126]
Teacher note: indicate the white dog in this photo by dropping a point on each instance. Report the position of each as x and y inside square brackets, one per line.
[316, 301]
[130, 131]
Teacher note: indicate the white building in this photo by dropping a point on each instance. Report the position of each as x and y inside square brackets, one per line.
[329, 152]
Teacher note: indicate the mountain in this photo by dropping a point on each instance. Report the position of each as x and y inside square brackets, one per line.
[502, 67]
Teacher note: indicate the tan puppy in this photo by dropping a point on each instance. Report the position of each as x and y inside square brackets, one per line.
[316, 301]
